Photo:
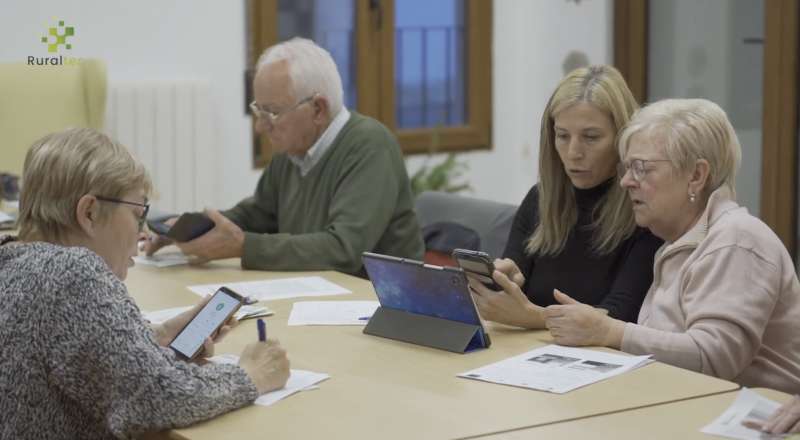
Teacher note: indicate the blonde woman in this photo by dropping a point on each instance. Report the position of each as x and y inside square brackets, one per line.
[78, 360]
[725, 300]
[575, 230]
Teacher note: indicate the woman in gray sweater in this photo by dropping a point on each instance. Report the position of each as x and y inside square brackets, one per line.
[76, 358]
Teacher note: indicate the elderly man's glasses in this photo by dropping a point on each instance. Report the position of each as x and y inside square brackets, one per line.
[638, 168]
[262, 113]
[141, 218]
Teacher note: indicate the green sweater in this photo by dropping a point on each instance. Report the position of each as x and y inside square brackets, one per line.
[356, 198]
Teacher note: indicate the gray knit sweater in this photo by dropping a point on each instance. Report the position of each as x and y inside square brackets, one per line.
[78, 361]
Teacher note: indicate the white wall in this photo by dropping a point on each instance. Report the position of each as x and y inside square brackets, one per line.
[155, 40]
[697, 50]
[204, 39]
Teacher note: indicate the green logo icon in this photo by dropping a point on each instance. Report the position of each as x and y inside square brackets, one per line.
[220, 306]
[57, 36]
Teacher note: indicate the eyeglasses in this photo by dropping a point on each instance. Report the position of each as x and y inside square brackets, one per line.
[638, 168]
[141, 219]
[273, 117]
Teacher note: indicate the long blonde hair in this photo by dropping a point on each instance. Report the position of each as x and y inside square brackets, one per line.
[613, 222]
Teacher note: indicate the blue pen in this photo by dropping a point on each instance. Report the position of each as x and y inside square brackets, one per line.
[364, 318]
[262, 330]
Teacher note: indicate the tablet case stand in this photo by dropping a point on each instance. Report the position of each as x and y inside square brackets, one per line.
[425, 330]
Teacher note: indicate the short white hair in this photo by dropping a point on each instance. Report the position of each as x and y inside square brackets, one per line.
[311, 69]
[690, 129]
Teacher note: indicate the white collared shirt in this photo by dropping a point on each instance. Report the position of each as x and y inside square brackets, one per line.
[315, 153]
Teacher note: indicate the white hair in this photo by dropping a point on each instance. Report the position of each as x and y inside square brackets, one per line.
[689, 130]
[311, 69]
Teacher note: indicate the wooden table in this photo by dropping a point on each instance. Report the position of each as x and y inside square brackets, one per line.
[678, 420]
[381, 388]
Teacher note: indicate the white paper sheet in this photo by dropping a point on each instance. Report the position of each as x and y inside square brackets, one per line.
[166, 259]
[299, 380]
[556, 369]
[332, 312]
[245, 312]
[748, 405]
[5, 217]
[276, 289]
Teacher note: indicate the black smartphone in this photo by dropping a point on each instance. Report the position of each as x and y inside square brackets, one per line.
[222, 305]
[190, 226]
[159, 228]
[478, 265]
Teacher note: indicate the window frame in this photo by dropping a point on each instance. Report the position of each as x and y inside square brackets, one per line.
[779, 139]
[375, 42]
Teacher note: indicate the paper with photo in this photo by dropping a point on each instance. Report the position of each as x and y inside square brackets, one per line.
[332, 312]
[557, 369]
[299, 380]
[244, 312]
[166, 259]
[281, 288]
[748, 405]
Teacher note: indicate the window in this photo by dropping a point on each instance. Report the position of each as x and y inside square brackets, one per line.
[421, 67]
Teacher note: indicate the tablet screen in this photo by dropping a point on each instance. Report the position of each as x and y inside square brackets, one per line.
[425, 290]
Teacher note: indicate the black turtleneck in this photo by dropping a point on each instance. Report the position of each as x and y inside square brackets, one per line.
[617, 281]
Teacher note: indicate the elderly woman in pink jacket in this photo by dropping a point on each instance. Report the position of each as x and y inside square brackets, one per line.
[725, 299]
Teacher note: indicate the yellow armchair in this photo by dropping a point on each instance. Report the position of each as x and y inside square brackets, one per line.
[37, 100]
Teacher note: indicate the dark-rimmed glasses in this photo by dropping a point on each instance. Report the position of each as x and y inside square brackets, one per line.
[141, 219]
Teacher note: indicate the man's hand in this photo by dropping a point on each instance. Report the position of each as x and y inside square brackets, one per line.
[510, 306]
[154, 242]
[266, 364]
[225, 240]
[574, 323]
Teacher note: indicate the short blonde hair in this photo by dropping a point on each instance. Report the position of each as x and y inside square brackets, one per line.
[689, 130]
[604, 88]
[62, 167]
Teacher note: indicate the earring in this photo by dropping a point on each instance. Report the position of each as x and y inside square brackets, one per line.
[692, 197]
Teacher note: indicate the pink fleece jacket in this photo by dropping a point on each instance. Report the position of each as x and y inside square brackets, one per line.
[725, 301]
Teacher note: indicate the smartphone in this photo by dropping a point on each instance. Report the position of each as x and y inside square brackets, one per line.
[477, 265]
[159, 228]
[190, 226]
[222, 305]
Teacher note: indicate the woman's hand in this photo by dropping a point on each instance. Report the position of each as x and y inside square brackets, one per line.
[168, 330]
[785, 419]
[573, 323]
[266, 364]
[509, 268]
[510, 306]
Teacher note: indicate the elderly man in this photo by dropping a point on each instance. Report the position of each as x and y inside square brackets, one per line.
[336, 187]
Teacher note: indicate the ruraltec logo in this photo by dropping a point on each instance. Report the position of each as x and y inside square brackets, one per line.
[56, 39]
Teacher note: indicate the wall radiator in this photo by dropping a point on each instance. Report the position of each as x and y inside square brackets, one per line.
[170, 128]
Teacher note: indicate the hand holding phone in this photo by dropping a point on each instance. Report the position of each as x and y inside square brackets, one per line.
[218, 310]
[189, 226]
[477, 265]
[160, 228]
